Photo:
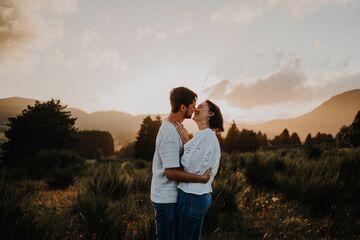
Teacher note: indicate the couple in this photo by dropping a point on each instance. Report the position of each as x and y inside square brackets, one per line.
[184, 169]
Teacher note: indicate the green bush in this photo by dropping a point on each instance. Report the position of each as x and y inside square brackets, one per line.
[53, 158]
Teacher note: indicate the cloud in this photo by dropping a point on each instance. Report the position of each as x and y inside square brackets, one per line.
[240, 14]
[98, 54]
[219, 89]
[247, 12]
[318, 45]
[29, 26]
[14, 26]
[297, 8]
[287, 85]
[164, 32]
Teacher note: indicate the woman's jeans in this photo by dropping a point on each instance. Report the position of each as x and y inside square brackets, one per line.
[191, 209]
[165, 218]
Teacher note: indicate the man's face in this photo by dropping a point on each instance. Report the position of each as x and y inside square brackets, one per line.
[190, 110]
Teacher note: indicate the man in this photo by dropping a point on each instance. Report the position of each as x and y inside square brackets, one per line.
[166, 163]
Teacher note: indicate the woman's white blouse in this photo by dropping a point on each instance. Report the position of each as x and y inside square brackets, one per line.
[201, 153]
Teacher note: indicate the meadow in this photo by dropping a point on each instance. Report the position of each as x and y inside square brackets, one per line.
[267, 194]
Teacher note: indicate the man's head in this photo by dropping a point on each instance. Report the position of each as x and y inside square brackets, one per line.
[183, 101]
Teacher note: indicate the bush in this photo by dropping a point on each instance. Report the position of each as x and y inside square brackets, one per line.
[61, 178]
[57, 167]
[53, 158]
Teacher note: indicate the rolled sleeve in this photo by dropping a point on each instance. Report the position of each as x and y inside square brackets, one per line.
[169, 154]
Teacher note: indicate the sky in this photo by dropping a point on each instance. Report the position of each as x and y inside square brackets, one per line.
[258, 60]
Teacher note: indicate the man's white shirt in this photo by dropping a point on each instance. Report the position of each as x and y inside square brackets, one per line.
[167, 155]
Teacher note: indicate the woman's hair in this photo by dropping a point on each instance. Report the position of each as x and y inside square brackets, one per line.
[215, 121]
[179, 96]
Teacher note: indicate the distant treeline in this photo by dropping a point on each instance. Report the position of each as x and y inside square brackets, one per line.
[248, 140]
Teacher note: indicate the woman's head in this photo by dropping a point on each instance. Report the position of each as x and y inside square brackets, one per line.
[209, 112]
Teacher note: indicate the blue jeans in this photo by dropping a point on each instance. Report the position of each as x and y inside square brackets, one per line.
[165, 219]
[191, 210]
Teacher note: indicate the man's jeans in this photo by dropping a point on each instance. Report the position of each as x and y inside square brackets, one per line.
[191, 210]
[165, 218]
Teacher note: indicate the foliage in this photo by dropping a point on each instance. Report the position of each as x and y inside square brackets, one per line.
[89, 142]
[145, 141]
[42, 126]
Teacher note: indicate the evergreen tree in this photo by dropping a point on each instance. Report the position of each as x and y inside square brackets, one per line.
[262, 139]
[342, 137]
[248, 141]
[295, 139]
[145, 141]
[308, 140]
[231, 141]
[354, 131]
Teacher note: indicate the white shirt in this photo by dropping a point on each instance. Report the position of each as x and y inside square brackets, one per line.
[167, 155]
[201, 153]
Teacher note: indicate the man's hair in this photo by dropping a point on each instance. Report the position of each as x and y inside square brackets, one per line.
[179, 96]
[215, 121]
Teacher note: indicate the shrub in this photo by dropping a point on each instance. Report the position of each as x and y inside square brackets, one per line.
[61, 178]
[57, 167]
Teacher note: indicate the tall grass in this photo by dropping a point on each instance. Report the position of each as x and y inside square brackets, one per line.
[113, 205]
[19, 218]
[113, 201]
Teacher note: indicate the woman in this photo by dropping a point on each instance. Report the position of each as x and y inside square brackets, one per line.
[201, 153]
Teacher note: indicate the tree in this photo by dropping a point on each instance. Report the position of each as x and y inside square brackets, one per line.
[145, 141]
[39, 127]
[342, 137]
[282, 139]
[295, 139]
[231, 141]
[349, 136]
[262, 139]
[354, 131]
[285, 139]
[88, 141]
[308, 140]
[248, 141]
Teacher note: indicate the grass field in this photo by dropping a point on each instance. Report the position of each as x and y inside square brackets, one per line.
[277, 194]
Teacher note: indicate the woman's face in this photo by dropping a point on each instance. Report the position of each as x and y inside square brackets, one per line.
[201, 112]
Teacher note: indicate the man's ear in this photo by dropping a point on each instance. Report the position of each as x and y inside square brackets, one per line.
[183, 107]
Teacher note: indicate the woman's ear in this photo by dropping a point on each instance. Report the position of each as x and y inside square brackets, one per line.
[211, 113]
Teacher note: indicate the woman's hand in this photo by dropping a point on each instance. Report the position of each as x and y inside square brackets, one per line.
[182, 132]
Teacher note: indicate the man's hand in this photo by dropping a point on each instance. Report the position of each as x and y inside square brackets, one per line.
[177, 174]
[182, 132]
[207, 175]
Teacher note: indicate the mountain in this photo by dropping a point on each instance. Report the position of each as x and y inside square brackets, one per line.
[337, 111]
[121, 125]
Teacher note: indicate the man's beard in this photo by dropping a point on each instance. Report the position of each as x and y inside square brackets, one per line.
[187, 115]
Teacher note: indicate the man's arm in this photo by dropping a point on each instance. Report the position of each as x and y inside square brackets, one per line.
[179, 175]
